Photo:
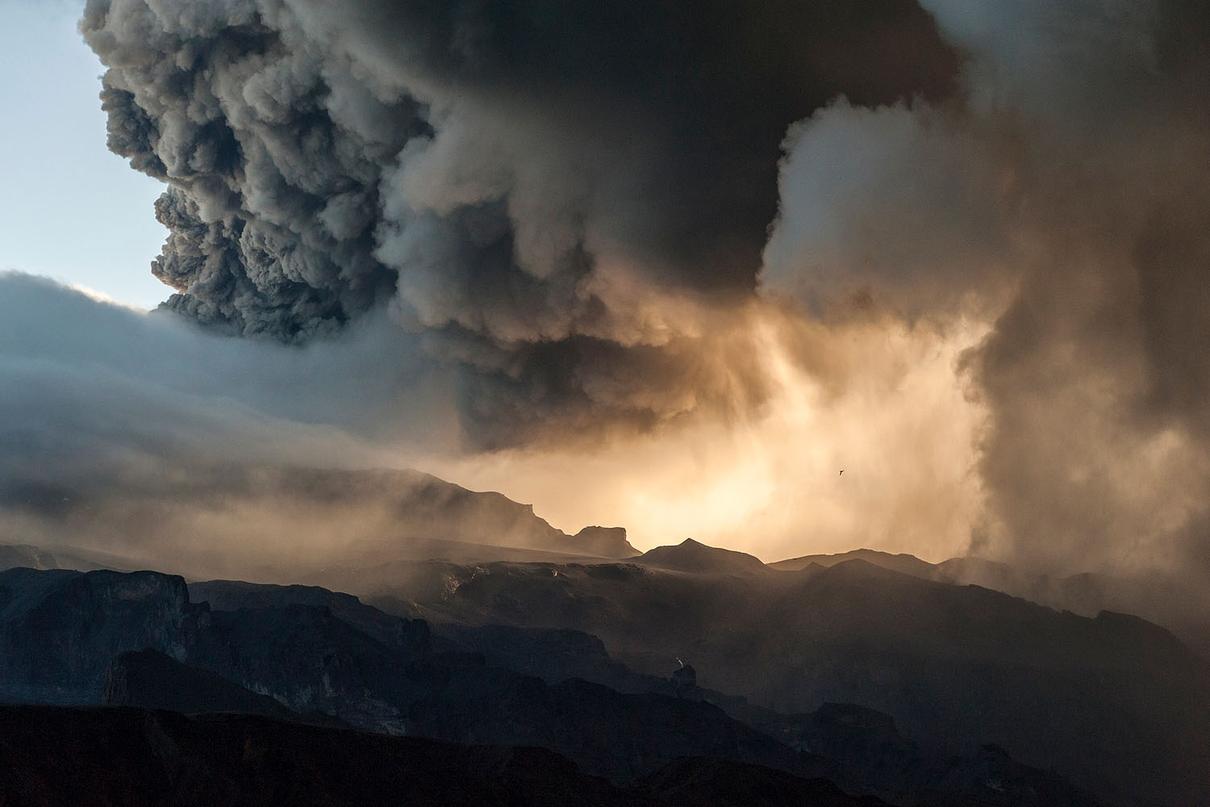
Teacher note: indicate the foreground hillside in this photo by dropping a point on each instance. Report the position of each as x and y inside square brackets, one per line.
[133, 757]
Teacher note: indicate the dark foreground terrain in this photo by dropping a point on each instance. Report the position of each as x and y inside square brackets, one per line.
[131, 757]
[313, 665]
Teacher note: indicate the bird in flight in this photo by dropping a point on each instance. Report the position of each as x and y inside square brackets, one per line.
[841, 472]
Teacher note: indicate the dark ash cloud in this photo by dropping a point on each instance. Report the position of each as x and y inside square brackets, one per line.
[559, 196]
[585, 218]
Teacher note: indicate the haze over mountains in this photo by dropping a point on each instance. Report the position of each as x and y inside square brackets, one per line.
[1170, 600]
[219, 519]
[532, 645]
[220, 522]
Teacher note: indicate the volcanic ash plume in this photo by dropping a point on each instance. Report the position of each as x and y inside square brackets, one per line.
[963, 241]
[568, 200]
[1063, 200]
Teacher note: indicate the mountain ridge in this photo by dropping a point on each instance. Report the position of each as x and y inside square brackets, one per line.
[693, 556]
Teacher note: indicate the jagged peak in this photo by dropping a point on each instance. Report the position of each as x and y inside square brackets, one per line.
[691, 555]
[606, 542]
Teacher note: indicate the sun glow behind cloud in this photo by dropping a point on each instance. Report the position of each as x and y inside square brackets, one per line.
[903, 430]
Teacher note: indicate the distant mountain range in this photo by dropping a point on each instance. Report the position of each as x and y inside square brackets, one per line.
[362, 520]
[322, 661]
[1117, 704]
[1163, 599]
[477, 623]
[691, 556]
[218, 519]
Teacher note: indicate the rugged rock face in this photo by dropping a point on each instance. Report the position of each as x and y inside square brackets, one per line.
[312, 661]
[994, 779]
[621, 737]
[864, 745]
[316, 656]
[59, 630]
[1165, 599]
[605, 542]
[859, 748]
[866, 752]
[552, 655]
[956, 666]
[311, 651]
[409, 635]
[153, 680]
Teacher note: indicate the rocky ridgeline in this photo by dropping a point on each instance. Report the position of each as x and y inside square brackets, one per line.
[311, 656]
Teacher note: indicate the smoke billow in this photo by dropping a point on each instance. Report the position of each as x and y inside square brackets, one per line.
[674, 264]
[140, 434]
[1063, 200]
[565, 199]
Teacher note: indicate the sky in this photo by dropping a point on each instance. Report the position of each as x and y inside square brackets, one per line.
[53, 142]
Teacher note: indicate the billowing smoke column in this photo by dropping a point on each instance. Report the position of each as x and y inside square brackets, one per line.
[569, 199]
[1066, 202]
[579, 205]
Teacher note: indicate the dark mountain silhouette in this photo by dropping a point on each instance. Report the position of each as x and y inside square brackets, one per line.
[1115, 703]
[1165, 599]
[903, 563]
[135, 757]
[855, 746]
[67, 638]
[233, 595]
[315, 656]
[621, 737]
[153, 680]
[691, 556]
[724, 783]
[605, 542]
[60, 630]
[554, 655]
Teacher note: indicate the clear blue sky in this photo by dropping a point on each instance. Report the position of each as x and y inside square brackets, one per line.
[68, 208]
